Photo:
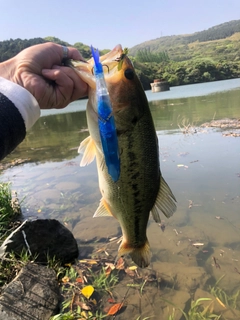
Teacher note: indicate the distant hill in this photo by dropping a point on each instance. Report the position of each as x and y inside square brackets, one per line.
[221, 31]
[221, 41]
[10, 48]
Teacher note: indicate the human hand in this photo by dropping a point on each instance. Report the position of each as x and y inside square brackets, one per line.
[39, 69]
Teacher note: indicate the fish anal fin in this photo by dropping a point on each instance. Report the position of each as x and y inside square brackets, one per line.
[87, 147]
[140, 255]
[103, 210]
[165, 202]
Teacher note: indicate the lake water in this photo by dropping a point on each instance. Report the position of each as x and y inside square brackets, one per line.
[202, 167]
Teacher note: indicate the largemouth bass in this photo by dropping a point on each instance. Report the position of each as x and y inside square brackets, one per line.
[140, 188]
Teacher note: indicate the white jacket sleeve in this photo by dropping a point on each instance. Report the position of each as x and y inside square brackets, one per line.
[23, 100]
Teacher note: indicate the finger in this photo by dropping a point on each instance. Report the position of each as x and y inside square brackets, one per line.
[68, 86]
[80, 88]
[74, 54]
[62, 88]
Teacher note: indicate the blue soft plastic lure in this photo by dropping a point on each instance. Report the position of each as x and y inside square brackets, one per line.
[106, 122]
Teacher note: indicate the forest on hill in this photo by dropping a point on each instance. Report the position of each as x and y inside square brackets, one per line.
[209, 55]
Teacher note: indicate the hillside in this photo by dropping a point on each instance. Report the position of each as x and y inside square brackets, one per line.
[221, 42]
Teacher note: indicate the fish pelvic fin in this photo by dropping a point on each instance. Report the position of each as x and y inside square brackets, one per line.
[140, 255]
[165, 202]
[103, 210]
[87, 148]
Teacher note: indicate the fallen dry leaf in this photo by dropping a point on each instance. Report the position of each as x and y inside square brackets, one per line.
[132, 268]
[94, 301]
[120, 264]
[83, 305]
[65, 279]
[131, 273]
[108, 270]
[114, 309]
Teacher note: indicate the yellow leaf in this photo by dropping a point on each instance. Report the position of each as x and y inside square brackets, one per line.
[132, 268]
[87, 291]
[84, 314]
[67, 264]
[65, 279]
[94, 301]
[92, 261]
[39, 210]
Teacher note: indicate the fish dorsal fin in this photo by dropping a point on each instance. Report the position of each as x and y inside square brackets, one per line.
[102, 210]
[87, 148]
[165, 202]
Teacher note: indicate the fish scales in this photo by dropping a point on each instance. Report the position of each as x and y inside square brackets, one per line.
[139, 184]
[140, 188]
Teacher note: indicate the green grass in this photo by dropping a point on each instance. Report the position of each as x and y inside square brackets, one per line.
[11, 265]
[9, 208]
[228, 300]
[101, 282]
[196, 311]
[9, 211]
[75, 304]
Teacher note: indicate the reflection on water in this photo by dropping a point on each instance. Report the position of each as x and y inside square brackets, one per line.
[202, 169]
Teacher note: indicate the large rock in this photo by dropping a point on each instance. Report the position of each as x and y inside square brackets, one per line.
[45, 238]
[32, 295]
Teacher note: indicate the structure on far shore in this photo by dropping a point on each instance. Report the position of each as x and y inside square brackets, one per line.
[159, 85]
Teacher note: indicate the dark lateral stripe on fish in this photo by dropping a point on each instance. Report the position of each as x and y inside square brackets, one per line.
[134, 187]
[136, 175]
[136, 226]
[131, 156]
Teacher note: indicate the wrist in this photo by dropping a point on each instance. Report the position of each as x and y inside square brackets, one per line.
[9, 71]
[6, 70]
[23, 100]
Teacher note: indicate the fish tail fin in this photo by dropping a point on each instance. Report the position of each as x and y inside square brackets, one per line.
[140, 255]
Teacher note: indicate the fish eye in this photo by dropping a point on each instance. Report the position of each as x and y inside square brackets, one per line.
[129, 74]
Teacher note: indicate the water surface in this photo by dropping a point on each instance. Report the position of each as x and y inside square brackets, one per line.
[201, 165]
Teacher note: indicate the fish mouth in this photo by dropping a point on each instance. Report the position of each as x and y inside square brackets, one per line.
[111, 62]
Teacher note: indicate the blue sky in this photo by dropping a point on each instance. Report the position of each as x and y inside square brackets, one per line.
[107, 23]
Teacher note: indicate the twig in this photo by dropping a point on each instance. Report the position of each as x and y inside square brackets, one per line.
[25, 240]
[120, 306]
[217, 265]
[8, 240]
[236, 270]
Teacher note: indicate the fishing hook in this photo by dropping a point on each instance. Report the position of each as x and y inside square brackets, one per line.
[104, 65]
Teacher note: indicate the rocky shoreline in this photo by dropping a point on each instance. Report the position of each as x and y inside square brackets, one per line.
[34, 293]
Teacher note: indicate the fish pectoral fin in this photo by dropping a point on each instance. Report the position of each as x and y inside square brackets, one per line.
[140, 255]
[102, 210]
[165, 202]
[87, 148]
